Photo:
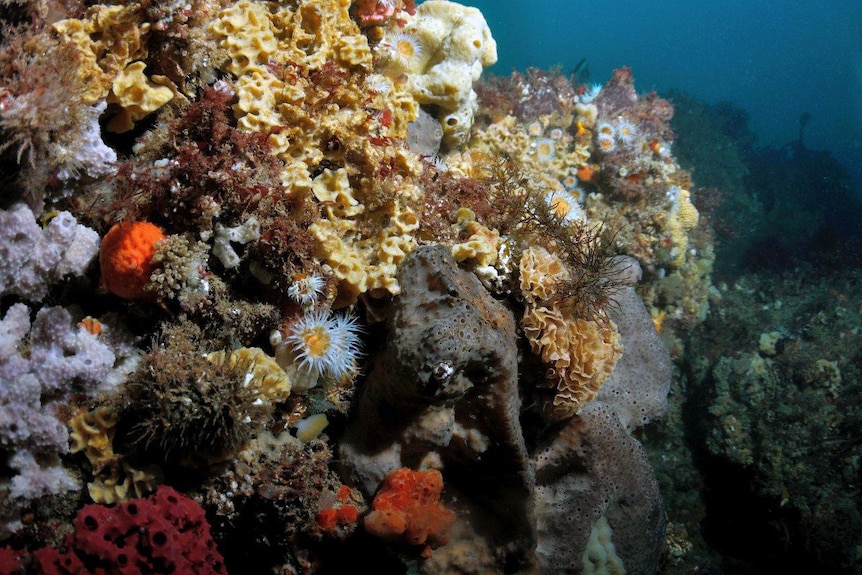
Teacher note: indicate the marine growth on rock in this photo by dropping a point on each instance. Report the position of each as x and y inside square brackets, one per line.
[354, 297]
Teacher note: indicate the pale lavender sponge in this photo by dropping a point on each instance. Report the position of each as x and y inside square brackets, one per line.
[32, 258]
[41, 366]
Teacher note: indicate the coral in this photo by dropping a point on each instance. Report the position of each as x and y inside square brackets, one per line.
[108, 38]
[114, 480]
[91, 432]
[541, 274]
[126, 258]
[247, 35]
[546, 165]
[122, 484]
[180, 272]
[298, 170]
[333, 54]
[638, 190]
[454, 45]
[33, 258]
[45, 368]
[683, 220]
[164, 533]
[338, 128]
[480, 244]
[362, 264]
[481, 249]
[407, 509]
[587, 248]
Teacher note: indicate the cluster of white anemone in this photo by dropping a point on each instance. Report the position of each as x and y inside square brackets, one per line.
[612, 135]
[544, 142]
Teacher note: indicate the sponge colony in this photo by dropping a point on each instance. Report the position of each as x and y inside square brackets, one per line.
[126, 258]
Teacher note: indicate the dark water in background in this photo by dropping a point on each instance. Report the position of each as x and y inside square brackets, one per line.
[776, 59]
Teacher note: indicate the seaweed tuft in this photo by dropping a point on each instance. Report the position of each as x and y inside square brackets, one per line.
[181, 409]
[587, 248]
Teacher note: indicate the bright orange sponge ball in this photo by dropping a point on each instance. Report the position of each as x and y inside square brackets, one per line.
[126, 258]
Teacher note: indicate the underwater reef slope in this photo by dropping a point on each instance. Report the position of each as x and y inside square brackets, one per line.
[294, 277]
[772, 421]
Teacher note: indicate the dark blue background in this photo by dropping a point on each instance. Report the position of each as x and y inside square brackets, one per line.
[776, 59]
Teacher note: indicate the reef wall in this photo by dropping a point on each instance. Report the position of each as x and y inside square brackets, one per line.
[362, 304]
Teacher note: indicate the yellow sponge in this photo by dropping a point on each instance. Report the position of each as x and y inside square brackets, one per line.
[136, 95]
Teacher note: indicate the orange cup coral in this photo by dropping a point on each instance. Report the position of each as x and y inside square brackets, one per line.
[586, 173]
[126, 257]
[407, 509]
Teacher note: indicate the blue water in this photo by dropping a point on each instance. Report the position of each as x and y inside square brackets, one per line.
[776, 59]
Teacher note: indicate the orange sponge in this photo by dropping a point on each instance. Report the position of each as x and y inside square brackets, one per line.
[407, 509]
[341, 514]
[126, 258]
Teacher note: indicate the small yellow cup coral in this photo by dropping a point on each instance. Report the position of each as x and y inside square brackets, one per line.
[126, 256]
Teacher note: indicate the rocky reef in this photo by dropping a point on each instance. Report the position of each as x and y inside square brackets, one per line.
[355, 304]
[757, 455]
[771, 386]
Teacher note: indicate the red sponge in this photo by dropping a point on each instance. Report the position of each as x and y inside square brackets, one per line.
[164, 533]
